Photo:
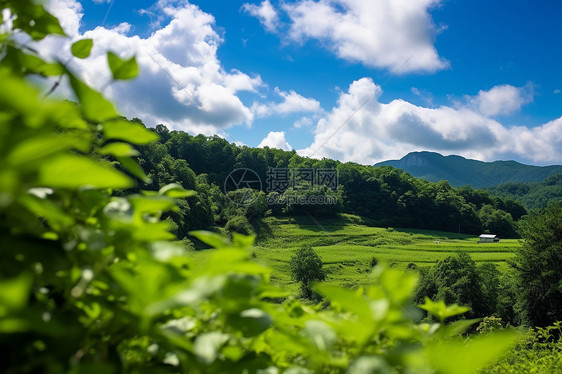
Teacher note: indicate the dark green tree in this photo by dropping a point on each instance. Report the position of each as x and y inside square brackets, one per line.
[539, 266]
[306, 267]
[454, 280]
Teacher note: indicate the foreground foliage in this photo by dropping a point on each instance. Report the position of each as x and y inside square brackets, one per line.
[94, 282]
[539, 352]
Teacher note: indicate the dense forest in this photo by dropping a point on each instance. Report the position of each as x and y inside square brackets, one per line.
[387, 196]
[531, 195]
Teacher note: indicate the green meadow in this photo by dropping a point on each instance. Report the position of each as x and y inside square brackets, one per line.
[348, 243]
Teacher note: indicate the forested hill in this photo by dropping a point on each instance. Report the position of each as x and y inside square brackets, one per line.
[387, 196]
[459, 171]
[532, 195]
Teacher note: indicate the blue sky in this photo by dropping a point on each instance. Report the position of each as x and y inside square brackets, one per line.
[354, 80]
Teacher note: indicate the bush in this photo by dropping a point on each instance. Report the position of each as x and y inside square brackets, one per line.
[240, 225]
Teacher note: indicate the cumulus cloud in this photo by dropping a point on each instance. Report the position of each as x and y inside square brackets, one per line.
[502, 100]
[397, 35]
[292, 103]
[362, 129]
[182, 83]
[303, 122]
[275, 139]
[265, 12]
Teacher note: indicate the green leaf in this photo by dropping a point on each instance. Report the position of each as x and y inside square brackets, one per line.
[74, 171]
[320, 334]
[118, 150]
[128, 131]
[243, 241]
[176, 191]
[48, 210]
[122, 69]
[459, 357]
[14, 293]
[36, 21]
[251, 322]
[155, 204]
[38, 66]
[208, 345]
[134, 168]
[369, 364]
[94, 106]
[442, 311]
[82, 48]
[39, 147]
[210, 238]
[347, 300]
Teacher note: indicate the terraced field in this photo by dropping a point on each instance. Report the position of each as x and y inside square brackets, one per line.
[347, 245]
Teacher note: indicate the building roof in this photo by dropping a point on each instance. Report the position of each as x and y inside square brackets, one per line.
[487, 236]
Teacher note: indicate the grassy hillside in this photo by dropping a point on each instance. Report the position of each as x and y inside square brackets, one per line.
[347, 244]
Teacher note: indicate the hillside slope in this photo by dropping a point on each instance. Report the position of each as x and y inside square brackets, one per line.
[460, 171]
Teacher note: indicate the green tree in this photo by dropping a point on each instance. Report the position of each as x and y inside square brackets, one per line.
[455, 280]
[539, 266]
[490, 280]
[306, 267]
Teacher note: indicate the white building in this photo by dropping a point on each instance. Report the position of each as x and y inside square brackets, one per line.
[489, 238]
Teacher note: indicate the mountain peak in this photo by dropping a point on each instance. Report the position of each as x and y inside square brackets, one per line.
[460, 171]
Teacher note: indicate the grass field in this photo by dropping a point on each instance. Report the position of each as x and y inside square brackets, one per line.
[347, 245]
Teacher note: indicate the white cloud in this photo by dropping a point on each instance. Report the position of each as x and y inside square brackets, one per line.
[380, 131]
[265, 12]
[502, 100]
[295, 103]
[182, 83]
[275, 139]
[397, 34]
[303, 122]
[292, 103]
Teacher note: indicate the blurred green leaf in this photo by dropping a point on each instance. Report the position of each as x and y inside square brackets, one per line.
[122, 69]
[461, 357]
[369, 365]
[48, 210]
[208, 345]
[74, 171]
[128, 131]
[82, 48]
[42, 146]
[118, 150]
[347, 300]
[14, 293]
[251, 322]
[36, 21]
[94, 106]
[210, 238]
[442, 311]
[133, 167]
[176, 191]
[320, 334]
[243, 241]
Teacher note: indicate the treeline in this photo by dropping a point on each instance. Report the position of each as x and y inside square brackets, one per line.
[388, 196]
[527, 292]
[532, 195]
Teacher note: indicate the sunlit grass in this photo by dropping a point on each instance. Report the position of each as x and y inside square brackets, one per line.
[347, 246]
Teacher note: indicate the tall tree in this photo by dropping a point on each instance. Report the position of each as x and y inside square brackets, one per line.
[539, 266]
[306, 267]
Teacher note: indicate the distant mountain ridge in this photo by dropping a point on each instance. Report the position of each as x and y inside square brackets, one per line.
[460, 171]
